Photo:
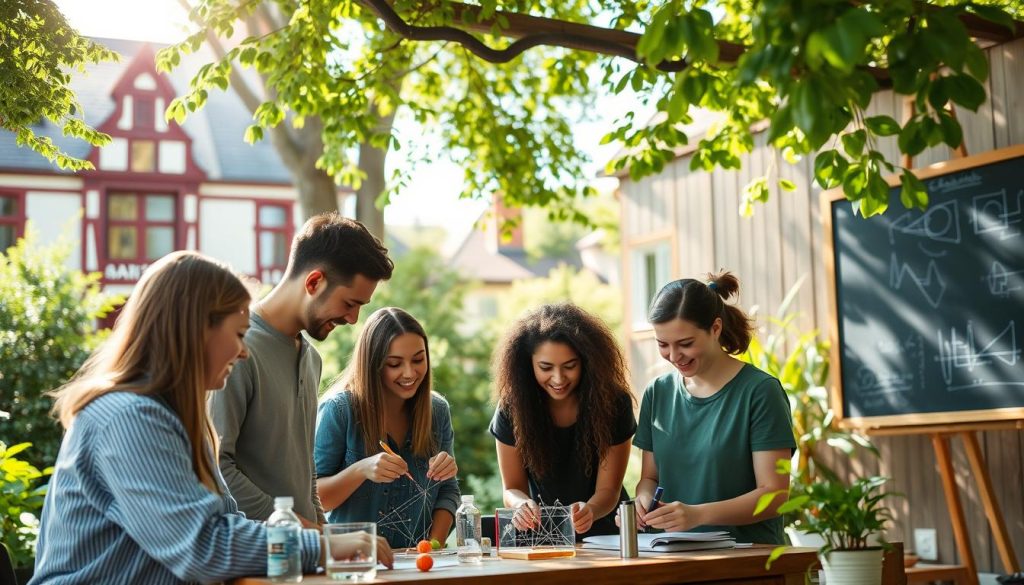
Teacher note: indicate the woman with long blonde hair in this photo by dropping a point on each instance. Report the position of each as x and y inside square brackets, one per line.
[136, 496]
[384, 440]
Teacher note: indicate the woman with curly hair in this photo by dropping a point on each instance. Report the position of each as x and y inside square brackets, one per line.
[564, 417]
[711, 430]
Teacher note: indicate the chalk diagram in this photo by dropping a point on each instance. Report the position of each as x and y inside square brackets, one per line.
[965, 352]
[940, 223]
[878, 380]
[1002, 282]
[998, 213]
[931, 284]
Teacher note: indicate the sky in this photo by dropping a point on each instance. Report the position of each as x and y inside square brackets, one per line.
[432, 195]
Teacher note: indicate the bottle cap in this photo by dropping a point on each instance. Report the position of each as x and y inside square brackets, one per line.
[467, 499]
[284, 502]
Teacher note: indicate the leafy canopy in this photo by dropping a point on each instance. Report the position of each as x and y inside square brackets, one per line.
[39, 52]
[810, 68]
[506, 125]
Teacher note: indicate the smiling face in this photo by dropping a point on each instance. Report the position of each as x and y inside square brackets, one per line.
[225, 345]
[557, 369]
[692, 350]
[405, 366]
[331, 306]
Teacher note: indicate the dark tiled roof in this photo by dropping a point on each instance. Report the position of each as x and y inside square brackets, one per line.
[216, 130]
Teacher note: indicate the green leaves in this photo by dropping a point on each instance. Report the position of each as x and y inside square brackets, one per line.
[843, 44]
[48, 316]
[913, 194]
[37, 51]
[675, 32]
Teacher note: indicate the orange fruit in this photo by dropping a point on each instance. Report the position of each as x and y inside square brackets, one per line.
[424, 562]
[423, 546]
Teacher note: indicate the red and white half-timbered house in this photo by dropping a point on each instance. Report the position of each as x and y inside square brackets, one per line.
[157, 187]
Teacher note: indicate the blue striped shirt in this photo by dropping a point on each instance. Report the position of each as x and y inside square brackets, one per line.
[125, 506]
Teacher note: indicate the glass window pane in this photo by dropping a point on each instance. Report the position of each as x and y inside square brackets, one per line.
[122, 243]
[651, 277]
[160, 207]
[7, 237]
[143, 156]
[123, 207]
[159, 242]
[272, 216]
[8, 206]
[273, 249]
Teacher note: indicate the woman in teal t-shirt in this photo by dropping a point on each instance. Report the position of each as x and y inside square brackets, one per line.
[712, 430]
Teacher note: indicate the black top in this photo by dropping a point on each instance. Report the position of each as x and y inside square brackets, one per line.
[570, 482]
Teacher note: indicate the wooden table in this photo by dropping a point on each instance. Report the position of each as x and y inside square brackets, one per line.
[592, 567]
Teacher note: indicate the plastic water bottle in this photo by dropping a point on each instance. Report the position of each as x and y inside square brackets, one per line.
[284, 562]
[467, 531]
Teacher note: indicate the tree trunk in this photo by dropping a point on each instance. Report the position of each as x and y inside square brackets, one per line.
[371, 162]
[317, 191]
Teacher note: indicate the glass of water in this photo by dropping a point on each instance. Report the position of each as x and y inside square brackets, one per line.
[351, 551]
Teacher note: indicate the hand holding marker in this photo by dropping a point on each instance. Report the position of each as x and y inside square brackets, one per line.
[655, 502]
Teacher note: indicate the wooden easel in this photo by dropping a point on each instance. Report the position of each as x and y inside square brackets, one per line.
[941, 435]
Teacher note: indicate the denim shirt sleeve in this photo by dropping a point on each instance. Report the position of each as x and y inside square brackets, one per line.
[329, 444]
[448, 494]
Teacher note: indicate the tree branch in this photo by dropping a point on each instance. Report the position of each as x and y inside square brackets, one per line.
[558, 34]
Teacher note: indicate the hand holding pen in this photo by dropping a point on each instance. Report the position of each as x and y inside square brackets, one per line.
[655, 502]
[386, 467]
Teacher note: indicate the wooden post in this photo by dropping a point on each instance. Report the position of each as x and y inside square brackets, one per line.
[988, 500]
[956, 512]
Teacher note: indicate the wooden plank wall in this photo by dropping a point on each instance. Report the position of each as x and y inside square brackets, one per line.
[783, 243]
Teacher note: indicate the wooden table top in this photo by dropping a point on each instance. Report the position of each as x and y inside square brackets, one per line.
[597, 567]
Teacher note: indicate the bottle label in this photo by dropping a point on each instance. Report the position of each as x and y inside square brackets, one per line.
[281, 546]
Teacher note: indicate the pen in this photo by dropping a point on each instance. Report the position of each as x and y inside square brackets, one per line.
[654, 504]
[657, 499]
[388, 450]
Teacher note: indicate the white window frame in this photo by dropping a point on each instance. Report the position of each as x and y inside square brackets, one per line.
[657, 257]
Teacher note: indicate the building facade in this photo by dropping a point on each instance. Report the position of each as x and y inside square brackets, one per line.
[157, 186]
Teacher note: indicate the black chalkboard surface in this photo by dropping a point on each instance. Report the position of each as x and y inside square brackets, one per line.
[928, 307]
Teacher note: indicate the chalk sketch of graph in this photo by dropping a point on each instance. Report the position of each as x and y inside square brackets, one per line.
[555, 530]
[931, 284]
[1001, 282]
[994, 212]
[941, 223]
[870, 383]
[965, 352]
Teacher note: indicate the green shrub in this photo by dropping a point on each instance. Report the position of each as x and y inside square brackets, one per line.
[20, 501]
[47, 329]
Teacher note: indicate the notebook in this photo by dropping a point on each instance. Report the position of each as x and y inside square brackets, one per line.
[665, 541]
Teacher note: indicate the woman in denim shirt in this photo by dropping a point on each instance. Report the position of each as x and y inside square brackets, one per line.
[385, 395]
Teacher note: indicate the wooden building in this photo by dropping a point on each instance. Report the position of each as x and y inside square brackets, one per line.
[683, 223]
[158, 186]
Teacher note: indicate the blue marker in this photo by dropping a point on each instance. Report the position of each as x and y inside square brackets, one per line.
[657, 499]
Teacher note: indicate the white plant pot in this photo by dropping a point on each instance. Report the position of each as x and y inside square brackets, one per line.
[853, 567]
[801, 538]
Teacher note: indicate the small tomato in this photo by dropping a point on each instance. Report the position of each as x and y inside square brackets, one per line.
[424, 562]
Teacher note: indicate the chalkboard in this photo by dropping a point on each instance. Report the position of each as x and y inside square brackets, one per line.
[928, 307]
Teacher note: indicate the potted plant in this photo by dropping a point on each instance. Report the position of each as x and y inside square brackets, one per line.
[850, 519]
[800, 361]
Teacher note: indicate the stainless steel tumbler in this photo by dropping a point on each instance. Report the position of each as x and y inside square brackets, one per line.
[627, 530]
